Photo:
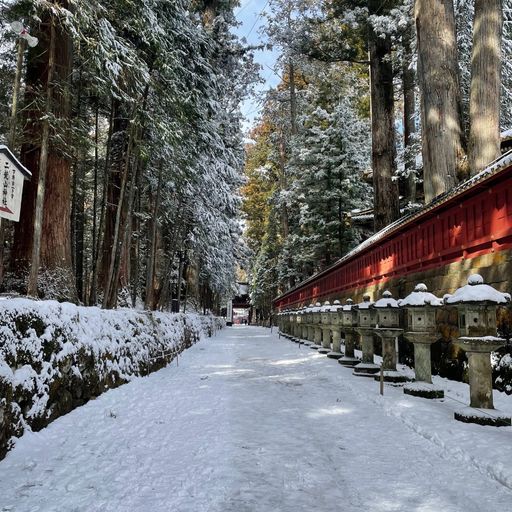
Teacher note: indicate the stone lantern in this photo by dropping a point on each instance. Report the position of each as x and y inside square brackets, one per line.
[287, 322]
[476, 303]
[283, 321]
[336, 319]
[326, 328]
[304, 326]
[388, 329]
[291, 319]
[421, 306]
[349, 323]
[310, 325]
[366, 318]
[298, 329]
[317, 326]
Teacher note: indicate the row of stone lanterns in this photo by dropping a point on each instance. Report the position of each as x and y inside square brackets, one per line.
[321, 327]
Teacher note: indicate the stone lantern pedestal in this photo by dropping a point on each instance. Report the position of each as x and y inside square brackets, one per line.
[293, 334]
[336, 320]
[423, 386]
[307, 323]
[387, 328]
[335, 353]
[299, 317]
[349, 322]
[304, 337]
[481, 408]
[326, 328]
[311, 334]
[317, 327]
[366, 319]
[349, 359]
[366, 368]
[389, 356]
[476, 304]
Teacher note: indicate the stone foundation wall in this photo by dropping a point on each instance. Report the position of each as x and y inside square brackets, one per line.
[57, 356]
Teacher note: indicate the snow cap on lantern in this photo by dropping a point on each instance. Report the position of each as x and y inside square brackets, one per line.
[349, 314]
[325, 312]
[336, 313]
[420, 305]
[387, 311]
[476, 303]
[309, 313]
[366, 317]
[316, 313]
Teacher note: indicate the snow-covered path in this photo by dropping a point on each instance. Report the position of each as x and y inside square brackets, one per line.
[250, 423]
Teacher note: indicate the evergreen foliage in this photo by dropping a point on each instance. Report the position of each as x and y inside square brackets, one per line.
[155, 146]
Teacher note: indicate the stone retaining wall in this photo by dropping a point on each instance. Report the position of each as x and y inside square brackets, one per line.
[57, 356]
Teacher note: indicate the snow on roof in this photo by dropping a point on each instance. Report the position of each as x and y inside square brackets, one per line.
[477, 291]
[387, 301]
[420, 297]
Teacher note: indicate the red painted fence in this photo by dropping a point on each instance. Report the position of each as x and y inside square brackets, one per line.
[473, 219]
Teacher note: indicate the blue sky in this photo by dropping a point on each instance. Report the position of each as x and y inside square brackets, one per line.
[249, 15]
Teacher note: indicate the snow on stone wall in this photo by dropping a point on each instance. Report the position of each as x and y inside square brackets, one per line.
[56, 356]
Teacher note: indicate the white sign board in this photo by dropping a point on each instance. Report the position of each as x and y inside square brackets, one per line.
[12, 176]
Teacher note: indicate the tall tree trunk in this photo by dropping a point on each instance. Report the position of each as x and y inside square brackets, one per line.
[116, 169]
[56, 279]
[101, 256]
[484, 103]
[78, 202]
[409, 83]
[117, 249]
[385, 189]
[135, 246]
[438, 78]
[149, 302]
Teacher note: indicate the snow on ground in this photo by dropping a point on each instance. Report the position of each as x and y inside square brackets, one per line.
[247, 423]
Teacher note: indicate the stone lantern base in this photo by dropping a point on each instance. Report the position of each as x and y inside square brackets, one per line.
[366, 370]
[491, 417]
[423, 390]
[324, 350]
[334, 355]
[349, 361]
[393, 376]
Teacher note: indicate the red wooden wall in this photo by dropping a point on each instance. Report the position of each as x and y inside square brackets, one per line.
[476, 221]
